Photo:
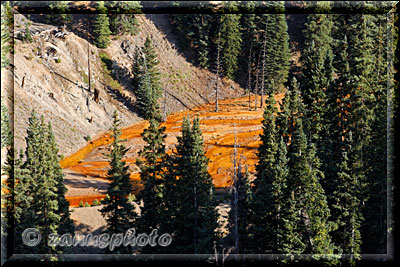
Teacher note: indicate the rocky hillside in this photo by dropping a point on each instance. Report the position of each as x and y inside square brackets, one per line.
[50, 75]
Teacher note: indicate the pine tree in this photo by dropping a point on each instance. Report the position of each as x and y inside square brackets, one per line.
[122, 20]
[146, 101]
[43, 185]
[118, 210]
[151, 64]
[264, 195]
[196, 219]
[6, 133]
[7, 23]
[146, 82]
[309, 196]
[315, 73]
[18, 215]
[55, 170]
[59, 13]
[151, 173]
[231, 40]
[101, 26]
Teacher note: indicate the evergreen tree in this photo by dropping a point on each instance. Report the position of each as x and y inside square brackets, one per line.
[18, 215]
[231, 40]
[196, 220]
[43, 184]
[101, 26]
[146, 101]
[59, 13]
[146, 82]
[317, 71]
[151, 64]
[374, 227]
[6, 133]
[118, 210]
[7, 23]
[310, 201]
[151, 173]
[264, 195]
[122, 20]
[55, 170]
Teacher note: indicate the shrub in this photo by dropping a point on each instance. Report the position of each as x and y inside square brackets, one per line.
[81, 204]
[95, 202]
[87, 138]
[87, 204]
[58, 60]
[131, 197]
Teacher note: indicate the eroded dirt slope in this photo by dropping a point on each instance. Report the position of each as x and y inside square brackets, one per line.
[50, 75]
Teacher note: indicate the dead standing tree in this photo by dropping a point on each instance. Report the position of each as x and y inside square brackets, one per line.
[237, 196]
[217, 72]
[263, 72]
[249, 76]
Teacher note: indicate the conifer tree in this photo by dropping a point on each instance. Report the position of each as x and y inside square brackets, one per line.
[118, 210]
[315, 74]
[264, 195]
[151, 64]
[43, 184]
[7, 23]
[55, 170]
[101, 26]
[151, 173]
[122, 19]
[231, 40]
[309, 196]
[59, 13]
[146, 82]
[196, 219]
[19, 214]
[146, 101]
[6, 133]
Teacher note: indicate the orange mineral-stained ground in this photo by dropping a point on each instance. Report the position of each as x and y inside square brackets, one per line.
[86, 170]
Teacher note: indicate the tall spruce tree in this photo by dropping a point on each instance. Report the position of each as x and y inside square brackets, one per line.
[101, 26]
[122, 19]
[264, 195]
[146, 82]
[6, 133]
[118, 211]
[151, 64]
[59, 13]
[304, 181]
[7, 23]
[196, 220]
[151, 173]
[55, 170]
[315, 73]
[42, 187]
[231, 39]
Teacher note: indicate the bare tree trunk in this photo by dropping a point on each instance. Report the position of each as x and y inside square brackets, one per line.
[165, 106]
[249, 75]
[217, 72]
[263, 74]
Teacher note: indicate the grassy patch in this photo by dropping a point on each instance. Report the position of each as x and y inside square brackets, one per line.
[85, 78]
[109, 78]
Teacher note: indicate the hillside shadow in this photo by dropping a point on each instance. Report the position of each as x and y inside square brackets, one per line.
[117, 95]
[162, 23]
